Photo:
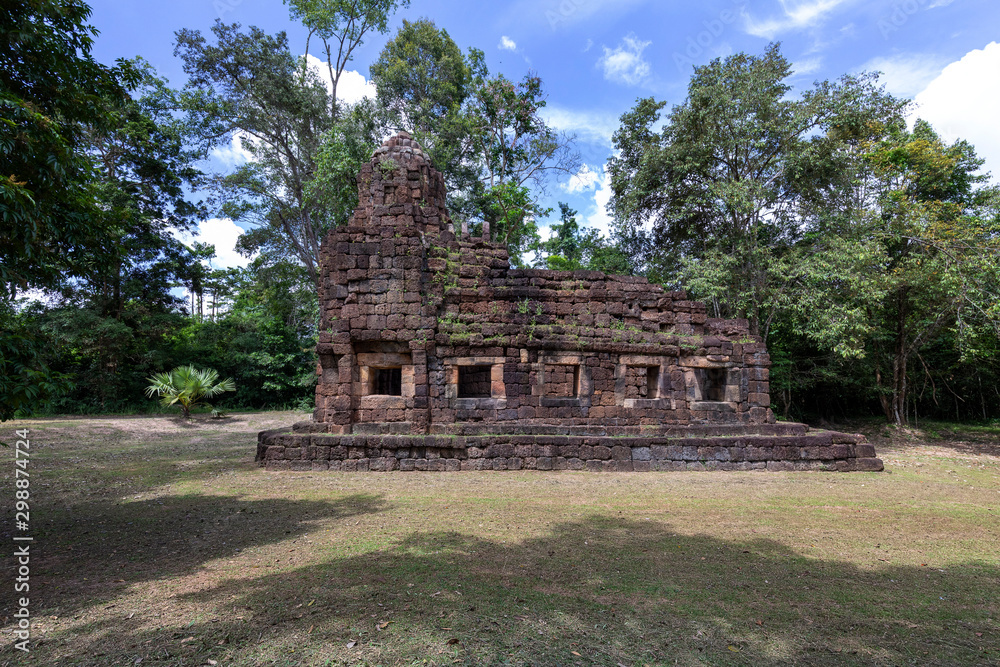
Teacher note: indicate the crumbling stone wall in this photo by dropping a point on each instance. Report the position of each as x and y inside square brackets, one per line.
[403, 290]
[426, 331]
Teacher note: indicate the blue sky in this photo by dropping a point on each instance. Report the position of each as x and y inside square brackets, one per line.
[596, 57]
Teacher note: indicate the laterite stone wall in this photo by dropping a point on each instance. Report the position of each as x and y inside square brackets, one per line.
[426, 329]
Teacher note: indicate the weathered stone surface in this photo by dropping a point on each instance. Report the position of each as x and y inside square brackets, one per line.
[436, 355]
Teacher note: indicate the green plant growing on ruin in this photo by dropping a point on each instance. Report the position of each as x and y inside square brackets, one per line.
[447, 278]
[387, 166]
[449, 319]
[523, 306]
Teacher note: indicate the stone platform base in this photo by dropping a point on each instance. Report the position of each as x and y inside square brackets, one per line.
[776, 447]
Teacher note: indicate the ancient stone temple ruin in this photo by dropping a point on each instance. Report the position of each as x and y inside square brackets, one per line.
[434, 354]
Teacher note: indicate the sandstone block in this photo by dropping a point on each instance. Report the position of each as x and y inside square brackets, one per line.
[642, 454]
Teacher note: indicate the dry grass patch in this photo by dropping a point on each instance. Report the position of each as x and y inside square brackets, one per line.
[160, 543]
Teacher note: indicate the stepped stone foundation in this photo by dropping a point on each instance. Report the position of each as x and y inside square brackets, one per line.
[435, 355]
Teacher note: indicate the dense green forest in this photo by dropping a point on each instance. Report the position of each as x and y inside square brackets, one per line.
[864, 250]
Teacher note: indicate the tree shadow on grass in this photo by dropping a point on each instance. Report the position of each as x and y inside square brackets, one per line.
[125, 456]
[88, 554]
[595, 591]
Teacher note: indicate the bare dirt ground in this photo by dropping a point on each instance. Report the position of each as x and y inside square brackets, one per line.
[159, 542]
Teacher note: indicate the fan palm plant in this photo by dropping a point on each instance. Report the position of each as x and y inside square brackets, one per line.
[188, 387]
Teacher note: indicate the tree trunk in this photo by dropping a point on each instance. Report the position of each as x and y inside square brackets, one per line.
[900, 361]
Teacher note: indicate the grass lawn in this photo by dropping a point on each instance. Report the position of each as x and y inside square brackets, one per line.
[159, 542]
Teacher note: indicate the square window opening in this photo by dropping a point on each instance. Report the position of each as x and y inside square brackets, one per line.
[652, 382]
[562, 381]
[475, 381]
[387, 381]
[714, 388]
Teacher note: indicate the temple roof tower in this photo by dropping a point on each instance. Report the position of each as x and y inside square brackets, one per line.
[401, 187]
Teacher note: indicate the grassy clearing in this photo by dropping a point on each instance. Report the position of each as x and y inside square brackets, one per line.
[160, 543]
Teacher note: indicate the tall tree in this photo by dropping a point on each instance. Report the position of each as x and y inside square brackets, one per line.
[143, 174]
[110, 325]
[248, 89]
[486, 134]
[424, 83]
[571, 248]
[51, 91]
[341, 26]
[713, 199]
[916, 256]
[422, 78]
[515, 149]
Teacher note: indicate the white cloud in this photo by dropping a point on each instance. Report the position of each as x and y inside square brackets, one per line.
[906, 74]
[808, 66]
[585, 179]
[223, 234]
[963, 103]
[625, 64]
[507, 44]
[235, 154]
[352, 87]
[589, 126]
[798, 14]
[599, 218]
[589, 46]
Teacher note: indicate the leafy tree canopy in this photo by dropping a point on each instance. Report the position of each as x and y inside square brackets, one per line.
[52, 92]
[714, 198]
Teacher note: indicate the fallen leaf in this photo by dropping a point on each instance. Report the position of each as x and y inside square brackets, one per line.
[734, 649]
[383, 625]
[452, 641]
[576, 654]
[212, 662]
[351, 644]
[979, 634]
